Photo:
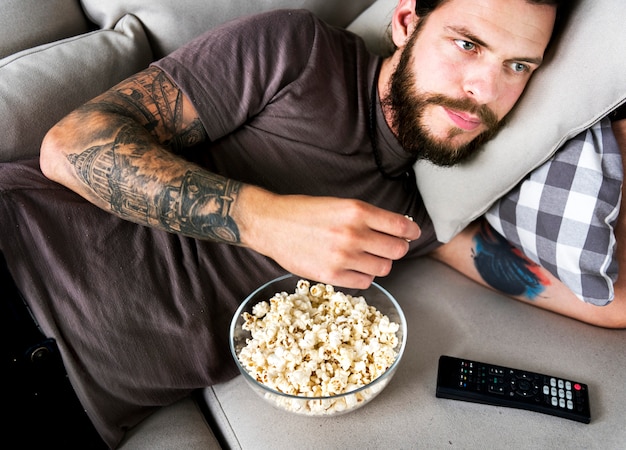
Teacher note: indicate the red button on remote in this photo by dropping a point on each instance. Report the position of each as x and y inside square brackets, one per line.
[577, 386]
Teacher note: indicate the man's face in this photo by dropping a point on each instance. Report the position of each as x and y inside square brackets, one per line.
[461, 71]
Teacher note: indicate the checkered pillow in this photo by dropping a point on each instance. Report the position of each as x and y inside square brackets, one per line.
[562, 216]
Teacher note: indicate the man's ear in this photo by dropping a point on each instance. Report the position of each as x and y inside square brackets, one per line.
[403, 22]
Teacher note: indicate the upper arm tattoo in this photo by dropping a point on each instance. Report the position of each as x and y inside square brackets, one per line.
[130, 163]
[504, 267]
[156, 103]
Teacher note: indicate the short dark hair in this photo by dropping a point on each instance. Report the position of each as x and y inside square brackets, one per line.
[425, 7]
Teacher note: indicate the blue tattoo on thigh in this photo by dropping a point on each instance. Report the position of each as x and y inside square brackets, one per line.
[504, 267]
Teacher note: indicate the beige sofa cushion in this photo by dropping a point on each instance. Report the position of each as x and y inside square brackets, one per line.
[27, 23]
[41, 85]
[171, 24]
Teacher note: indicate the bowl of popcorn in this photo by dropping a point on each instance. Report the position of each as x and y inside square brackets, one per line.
[310, 349]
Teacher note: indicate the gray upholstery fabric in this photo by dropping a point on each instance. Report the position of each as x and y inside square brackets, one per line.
[28, 23]
[173, 23]
[41, 85]
[179, 426]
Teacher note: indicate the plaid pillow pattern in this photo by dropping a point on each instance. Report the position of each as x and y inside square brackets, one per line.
[562, 215]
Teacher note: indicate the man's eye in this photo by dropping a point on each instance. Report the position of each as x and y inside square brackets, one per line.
[519, 67]
[465, 45]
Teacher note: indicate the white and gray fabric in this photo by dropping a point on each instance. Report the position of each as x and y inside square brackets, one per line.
[562, 215]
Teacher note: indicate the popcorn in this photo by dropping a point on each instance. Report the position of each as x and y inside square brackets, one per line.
[318, 342]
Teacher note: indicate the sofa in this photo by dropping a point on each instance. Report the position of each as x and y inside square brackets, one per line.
[57, 54]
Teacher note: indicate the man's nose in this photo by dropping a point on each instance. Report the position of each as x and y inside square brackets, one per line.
[482, 83]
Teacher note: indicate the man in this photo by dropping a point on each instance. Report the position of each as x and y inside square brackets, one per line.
[301, 162]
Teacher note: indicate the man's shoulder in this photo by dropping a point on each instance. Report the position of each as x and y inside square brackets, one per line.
[298, 23]
[279, 20]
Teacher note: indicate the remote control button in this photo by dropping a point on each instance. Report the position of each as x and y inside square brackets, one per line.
[578, 387]
[553, 392]
[554, 401]
[561, 384]
[568, 395]
[570, 405]
[546, 390]
[561, 393]
[568, 385]
[496, 389]
[562, 403]
[553, 382]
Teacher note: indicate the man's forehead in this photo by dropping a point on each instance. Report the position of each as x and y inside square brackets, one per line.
[499, 23]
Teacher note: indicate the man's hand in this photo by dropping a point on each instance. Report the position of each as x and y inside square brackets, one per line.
[342, 242]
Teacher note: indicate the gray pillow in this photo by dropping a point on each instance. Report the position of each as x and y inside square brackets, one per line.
[40, 86]
[28, 23]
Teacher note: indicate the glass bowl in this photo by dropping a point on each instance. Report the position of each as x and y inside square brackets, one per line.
[310, 404]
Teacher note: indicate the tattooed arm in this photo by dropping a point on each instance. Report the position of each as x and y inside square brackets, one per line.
[119, 151]
[486, 257]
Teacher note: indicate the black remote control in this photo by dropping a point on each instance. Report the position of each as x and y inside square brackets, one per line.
[473, 381]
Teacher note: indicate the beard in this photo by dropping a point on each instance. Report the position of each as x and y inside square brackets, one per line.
[407, 106]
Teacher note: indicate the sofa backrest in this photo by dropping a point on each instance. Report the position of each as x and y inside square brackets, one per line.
[171, 23]
[27, 23]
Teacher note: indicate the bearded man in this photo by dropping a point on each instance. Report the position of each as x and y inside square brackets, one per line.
[273, 143]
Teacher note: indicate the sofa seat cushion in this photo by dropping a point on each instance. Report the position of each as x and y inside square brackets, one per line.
[180, 425]
[449, 314]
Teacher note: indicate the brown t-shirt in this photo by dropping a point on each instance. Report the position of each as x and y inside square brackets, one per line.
[141, 316]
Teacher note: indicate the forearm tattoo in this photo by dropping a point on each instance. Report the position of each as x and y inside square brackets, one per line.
[136, 174]
[504, 267]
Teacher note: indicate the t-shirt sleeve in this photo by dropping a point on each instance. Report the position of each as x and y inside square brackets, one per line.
[232, 72]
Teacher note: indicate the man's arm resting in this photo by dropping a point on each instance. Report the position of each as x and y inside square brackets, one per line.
[481, 254]
[484, 256]
[119, 151]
